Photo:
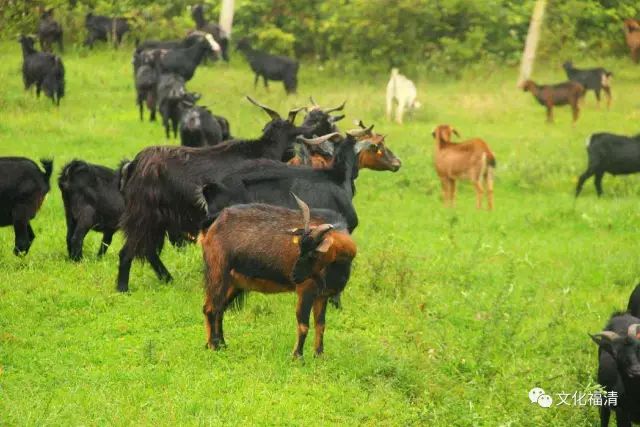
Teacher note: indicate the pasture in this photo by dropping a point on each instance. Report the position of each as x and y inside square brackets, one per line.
[450, 317]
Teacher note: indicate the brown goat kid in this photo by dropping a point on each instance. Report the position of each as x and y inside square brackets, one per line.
[269, 249]
[632, 36]
[556, 95]
[472, 160]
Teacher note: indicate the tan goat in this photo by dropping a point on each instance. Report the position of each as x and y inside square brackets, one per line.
[472, 160]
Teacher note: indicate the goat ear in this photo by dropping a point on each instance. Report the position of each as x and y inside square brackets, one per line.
[455, 132]
[325, 245]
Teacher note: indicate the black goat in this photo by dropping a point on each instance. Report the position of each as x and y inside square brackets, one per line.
[146, 80]
[173, 99]
[161, 185]
[619, 368]
[225, 127]
[92, 201]
[271, 67]
[199, 128]
[49, 31]
[161, 47]
[220, 36]
[102, 28]
[184, 61]
[42, 69]
[321, 119]
[23, 187]
[614, 154]
[595, 79]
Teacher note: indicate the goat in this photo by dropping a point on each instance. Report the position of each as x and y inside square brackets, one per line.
[225, 127]
[173, 99]
[472, 160]
[42, 69]
[371, 151]
[557, 94]
[220, 36]
[633, 307]
[162, 182]
[271, 67]
[49, 31]
[595, 79]
[184, 61]
[102, 28]
[632, 36]
[619, 368]
[401, 90]
[320, 120]
[271, 249]
[146, 81]
[198, 128]
[23, 188]
[92, 201]
[614, 154]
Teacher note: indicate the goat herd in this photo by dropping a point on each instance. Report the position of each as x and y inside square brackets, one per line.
[275, 213]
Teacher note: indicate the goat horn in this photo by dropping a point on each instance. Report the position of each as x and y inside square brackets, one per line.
[306, 215]
[634, 330]
[338, 108]
[320, 231]
[333, 119]
[609, 335]
[455, 132]
[319, 140]
[272, 113]
[313, 102]
[360, 123]
[356, 133]
[293, 113]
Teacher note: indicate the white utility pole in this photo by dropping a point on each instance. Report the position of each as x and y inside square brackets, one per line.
[529, 54]
[226, 15]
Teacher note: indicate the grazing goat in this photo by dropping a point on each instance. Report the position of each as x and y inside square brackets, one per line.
[49, 31]
[199, 128]
[220, 36]
[595, 79]
[42, 69]
[472, 160]
[161, 183]
[184, 61]
[173, 99]
[402, 91]
[92, 201]
[102, 28]
[557, 94]
[632, 36]
[23, 188]
[146, 80]
[614, 154]
[619, 368]
[271, 249]
[271, 67]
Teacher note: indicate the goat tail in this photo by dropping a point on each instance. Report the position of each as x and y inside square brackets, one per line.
[490, 158]
[47, 165]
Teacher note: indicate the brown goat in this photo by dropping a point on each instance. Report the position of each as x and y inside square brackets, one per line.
[472, 160]
[372, 153]
[632, 36]
[271, 249]
[557, 94]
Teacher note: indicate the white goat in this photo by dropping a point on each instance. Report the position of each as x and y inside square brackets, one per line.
[404, 92]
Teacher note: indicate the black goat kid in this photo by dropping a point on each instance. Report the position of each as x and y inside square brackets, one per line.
[49, 31]
[44, 70]
[199, 128]
[23, 187]
[92, 201]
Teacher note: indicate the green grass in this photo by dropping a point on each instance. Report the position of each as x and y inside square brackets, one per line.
[450, 317]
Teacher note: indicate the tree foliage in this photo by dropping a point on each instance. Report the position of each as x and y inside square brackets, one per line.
[368, 34]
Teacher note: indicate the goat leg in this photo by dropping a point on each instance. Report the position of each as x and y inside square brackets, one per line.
[22, 239]
[124, 269]
[319, 311]
[107, 236]
[306, 295]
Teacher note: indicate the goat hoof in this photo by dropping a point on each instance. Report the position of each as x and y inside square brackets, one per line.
[318, 353]
[297, 356]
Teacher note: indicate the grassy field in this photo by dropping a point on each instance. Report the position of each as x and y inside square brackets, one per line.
[450, 318]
